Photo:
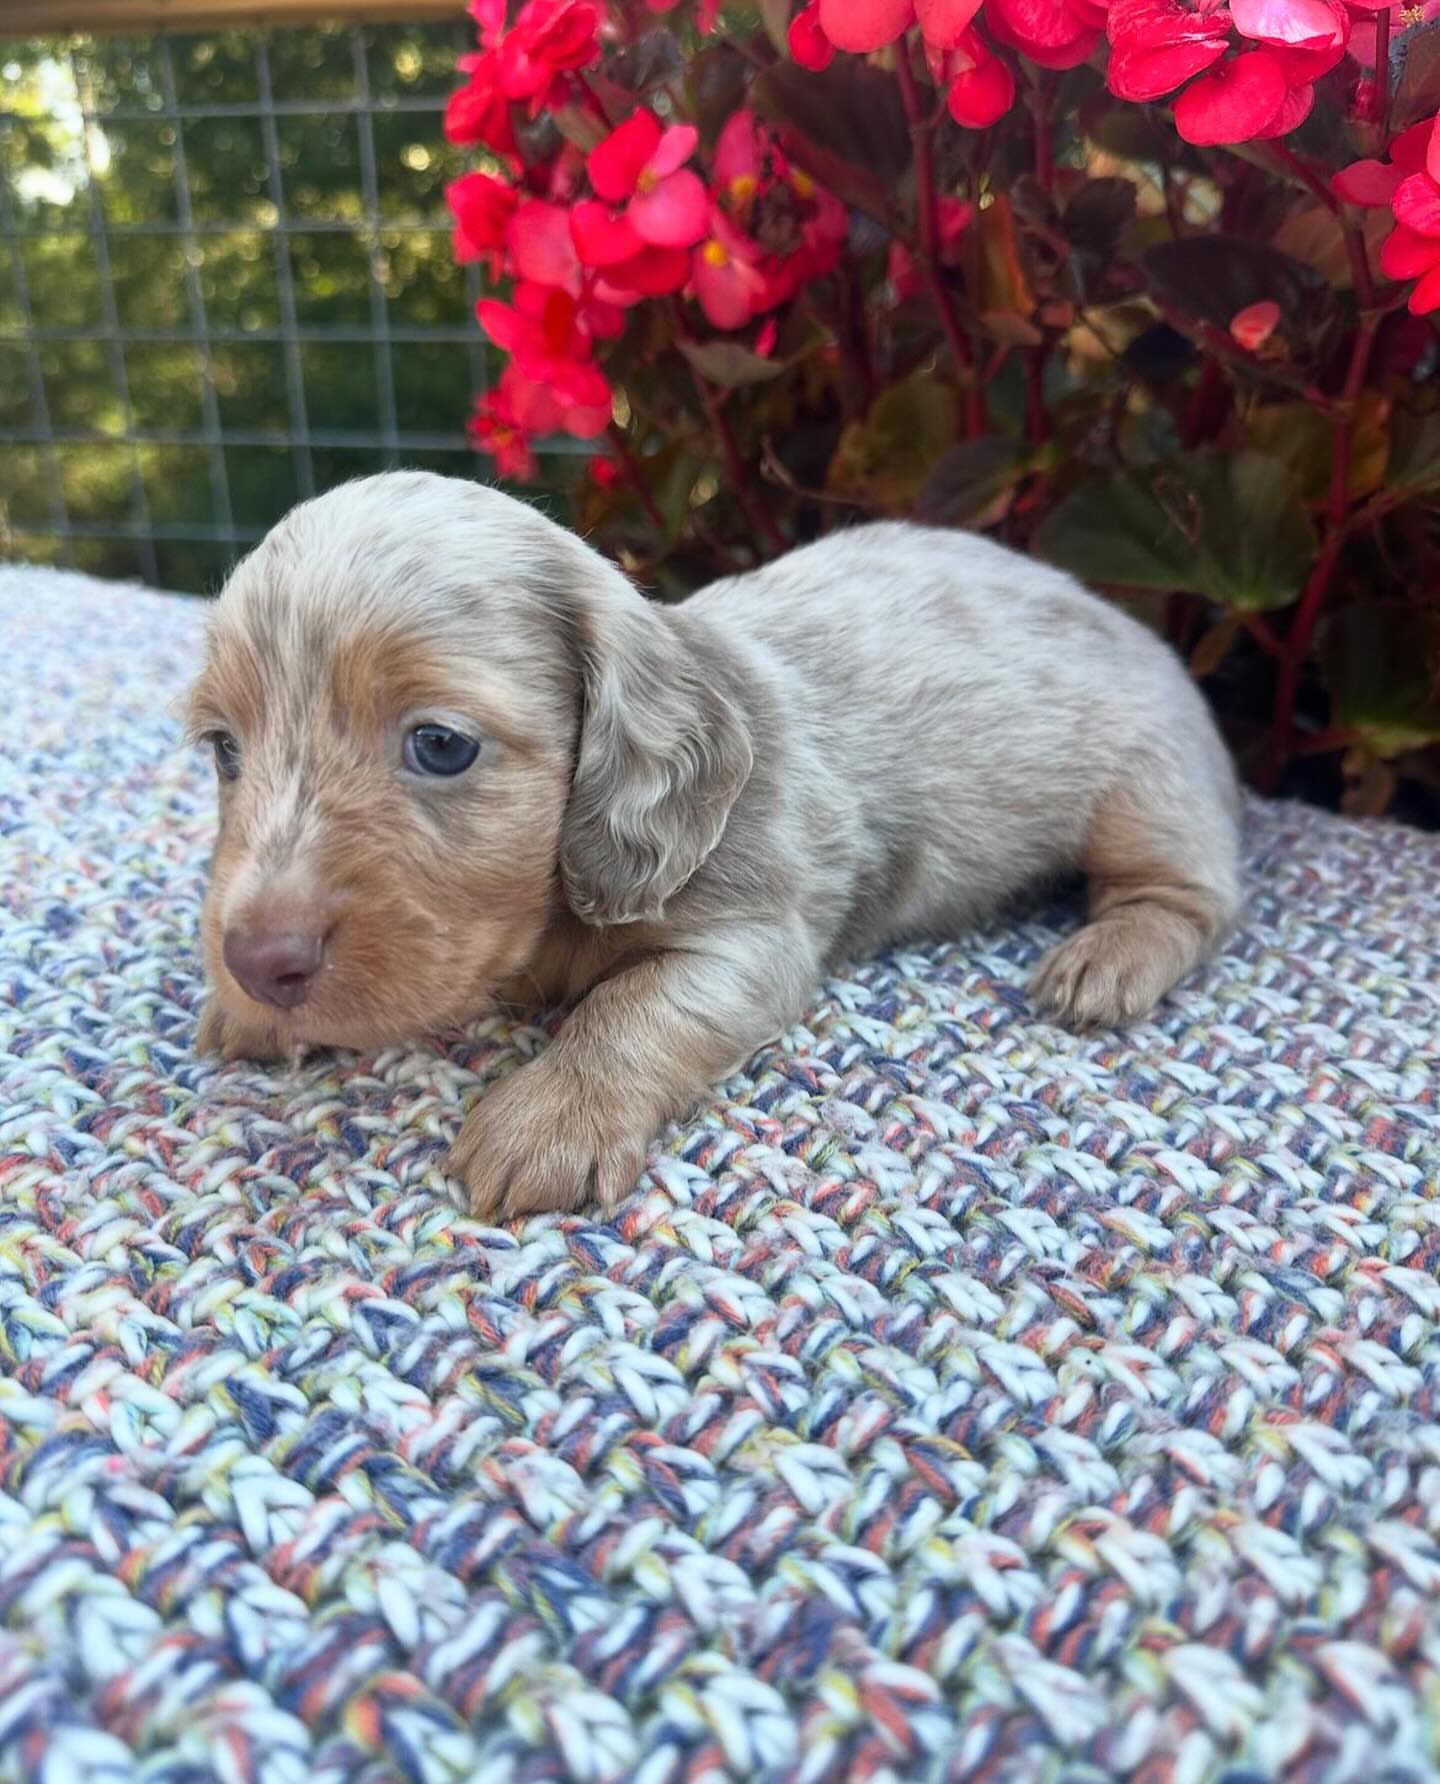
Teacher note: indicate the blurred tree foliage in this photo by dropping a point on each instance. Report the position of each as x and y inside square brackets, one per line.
[43, 164]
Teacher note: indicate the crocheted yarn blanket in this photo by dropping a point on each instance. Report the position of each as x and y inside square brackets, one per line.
[956, 1398]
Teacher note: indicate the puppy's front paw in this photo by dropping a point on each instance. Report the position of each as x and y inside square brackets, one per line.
[1103, 976]
[219, 1033]
[545, 1140]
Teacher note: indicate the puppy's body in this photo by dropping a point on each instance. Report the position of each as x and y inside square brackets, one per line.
[687, 812]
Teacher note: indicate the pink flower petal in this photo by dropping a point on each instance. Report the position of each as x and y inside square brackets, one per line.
[1368, 183]
[723, 291]
[655, 272]
[809, 46]
[1416, 204]
[1432, 150]
[1298, 104]
[1405, 255]
[1141, 71]
[675, 148]
[1255, 324]
[1426, 295]
[615, 165]
[1052, 33]
[602, 237]
[1240, 98]
[944, 22]
[1312, 23]
[675, 214]
[1409, 148]
[501, 323]
[982, 96]
[737, 152]
[864, 25]
[540, 244]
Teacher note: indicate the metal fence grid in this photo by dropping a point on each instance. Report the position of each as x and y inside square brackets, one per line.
[127, 526]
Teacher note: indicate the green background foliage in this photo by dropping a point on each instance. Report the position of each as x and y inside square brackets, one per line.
[43, 165]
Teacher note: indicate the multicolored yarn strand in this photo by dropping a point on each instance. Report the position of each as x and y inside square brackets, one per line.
[956, 1398]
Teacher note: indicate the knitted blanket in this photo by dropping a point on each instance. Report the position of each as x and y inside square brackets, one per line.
[955, 1398]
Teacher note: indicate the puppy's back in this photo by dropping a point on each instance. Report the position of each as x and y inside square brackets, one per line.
[974, 706]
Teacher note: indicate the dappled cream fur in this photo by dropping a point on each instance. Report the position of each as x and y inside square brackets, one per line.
[678, 816]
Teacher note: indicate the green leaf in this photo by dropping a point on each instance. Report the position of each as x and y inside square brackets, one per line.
[884, 460]
[1227, 525]
[1214, 646]
[1417, 77]
[729, 364]
[1414, 451]
[653, 58]
[1114, 531]
[1098, 214]
[845, 126]
[775, 16]
[715, 88]
[1215, 276]
[1381, 662]
[973, 484]
[1300, 437]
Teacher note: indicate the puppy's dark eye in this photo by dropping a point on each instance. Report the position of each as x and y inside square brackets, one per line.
[227, 755]
[436, 749]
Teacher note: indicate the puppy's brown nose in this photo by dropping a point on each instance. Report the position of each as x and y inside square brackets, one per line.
[274, 967]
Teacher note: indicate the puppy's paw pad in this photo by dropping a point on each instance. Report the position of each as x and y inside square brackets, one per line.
[1100, 977]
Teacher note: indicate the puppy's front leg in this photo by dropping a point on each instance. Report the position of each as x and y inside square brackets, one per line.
[572, 1128]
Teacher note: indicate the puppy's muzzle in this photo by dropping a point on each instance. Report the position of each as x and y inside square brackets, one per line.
[275, 967]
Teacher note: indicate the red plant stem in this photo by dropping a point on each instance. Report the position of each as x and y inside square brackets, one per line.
[1382, 74]
[1263, 633]
[928, 205]
[1037, 416]
[1360, 278]
[745, 493]
[635, 477]
[1337, 511]
[1039, 100]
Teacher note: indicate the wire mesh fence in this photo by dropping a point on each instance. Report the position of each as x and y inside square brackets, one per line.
[225, 284]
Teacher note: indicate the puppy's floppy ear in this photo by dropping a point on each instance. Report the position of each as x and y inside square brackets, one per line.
[662, 755]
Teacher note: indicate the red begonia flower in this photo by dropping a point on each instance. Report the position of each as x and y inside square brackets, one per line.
[1294, 109]
[489, 15]
[1052, 33]
[980, 95]
[724, 273]
[482, 207]
[602, 237]
[654, 272]
[809, 46]
[1158, 45]
[1255, 324]
[550, 37]
[1305, 24]
[541, 246]
[943, 23]
[1426, 295]
[495, 429]
[1416, 204]
[644, 164]
[1368, 183]
[1405, 255]
[861, 26]
[738, 160]
[480, 111]
[1233, 103]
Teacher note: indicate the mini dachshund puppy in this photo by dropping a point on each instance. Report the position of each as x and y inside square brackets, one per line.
[462, 760]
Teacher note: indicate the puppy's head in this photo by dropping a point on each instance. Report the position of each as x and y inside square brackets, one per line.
[437, 718]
